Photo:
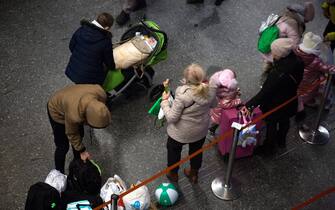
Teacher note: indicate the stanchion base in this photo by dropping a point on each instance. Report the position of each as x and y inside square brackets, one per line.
[222, 191]
[320, 136]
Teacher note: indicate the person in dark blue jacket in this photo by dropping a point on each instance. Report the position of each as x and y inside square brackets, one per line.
[92, 51]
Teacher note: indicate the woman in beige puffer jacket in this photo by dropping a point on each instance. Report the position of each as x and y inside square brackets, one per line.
[188, 119]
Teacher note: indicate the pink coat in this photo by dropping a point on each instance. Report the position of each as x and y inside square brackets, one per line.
[289, 27]
[223, 104]
[227, 93]
[314, 72]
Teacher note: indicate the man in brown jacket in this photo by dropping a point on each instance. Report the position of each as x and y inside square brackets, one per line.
[69, 109]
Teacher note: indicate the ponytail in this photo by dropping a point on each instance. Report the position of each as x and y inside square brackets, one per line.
[194, 75]
[201, 90]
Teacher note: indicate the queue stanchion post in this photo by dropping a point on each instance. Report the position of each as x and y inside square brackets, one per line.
[226, 188]
[114, 199]
[318, 134]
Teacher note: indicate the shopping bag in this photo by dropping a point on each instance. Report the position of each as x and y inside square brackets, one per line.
[154, 110]
[161, 112]
[57, 180]
[114, 185]
[157, 111]
[139, 199]
[269, 32]
[248, 135]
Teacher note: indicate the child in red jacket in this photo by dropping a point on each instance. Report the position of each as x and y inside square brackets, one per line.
[314, 71]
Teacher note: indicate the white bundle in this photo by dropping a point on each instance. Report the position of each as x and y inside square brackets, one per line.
[57, 180]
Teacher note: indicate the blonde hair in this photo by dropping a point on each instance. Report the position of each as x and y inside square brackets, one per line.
[194, 76]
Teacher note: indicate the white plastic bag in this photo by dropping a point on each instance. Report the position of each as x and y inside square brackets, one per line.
[114, 185]
[139, 199]
[161, 113]
[57, 180]
[269, 22]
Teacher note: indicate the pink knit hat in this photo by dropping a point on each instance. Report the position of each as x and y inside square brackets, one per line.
[227, 79]
[281, 47]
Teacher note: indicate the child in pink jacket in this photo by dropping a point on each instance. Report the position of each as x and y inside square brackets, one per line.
[314, 72]
[227, 93]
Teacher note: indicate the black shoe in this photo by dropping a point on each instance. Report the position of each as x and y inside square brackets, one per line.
[300, 116]
[141, 4]
[122, 18]
[218, 2]
[195, 1]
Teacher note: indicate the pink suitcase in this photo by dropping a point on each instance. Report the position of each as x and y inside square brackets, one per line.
[229, 116]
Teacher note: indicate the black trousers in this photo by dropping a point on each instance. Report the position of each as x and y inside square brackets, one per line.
[174, 153]
[276, 131]
[62, 143]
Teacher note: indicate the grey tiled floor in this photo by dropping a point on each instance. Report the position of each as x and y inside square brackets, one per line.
[34, 37]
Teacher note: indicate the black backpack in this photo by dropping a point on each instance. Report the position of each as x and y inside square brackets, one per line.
[42, 196]
[84, 177]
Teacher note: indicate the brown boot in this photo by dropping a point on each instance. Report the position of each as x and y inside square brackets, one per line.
[192, 175]
[172, 176]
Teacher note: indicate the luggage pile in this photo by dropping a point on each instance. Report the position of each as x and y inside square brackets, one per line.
[82, 190]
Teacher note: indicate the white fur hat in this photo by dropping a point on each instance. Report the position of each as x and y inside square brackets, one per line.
[311, 43]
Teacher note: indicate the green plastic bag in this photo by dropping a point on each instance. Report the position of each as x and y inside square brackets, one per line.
[154, 110]
[113, 79]
[266, 38]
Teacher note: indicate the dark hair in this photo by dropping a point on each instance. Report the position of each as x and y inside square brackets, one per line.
[105, 19]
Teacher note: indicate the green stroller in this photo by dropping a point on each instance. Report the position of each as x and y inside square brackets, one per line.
[120, 81]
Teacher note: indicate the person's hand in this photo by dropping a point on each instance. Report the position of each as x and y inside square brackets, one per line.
[244, 110]
[165, 95]
[85, 155]
[238, 91]
[166, 83]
